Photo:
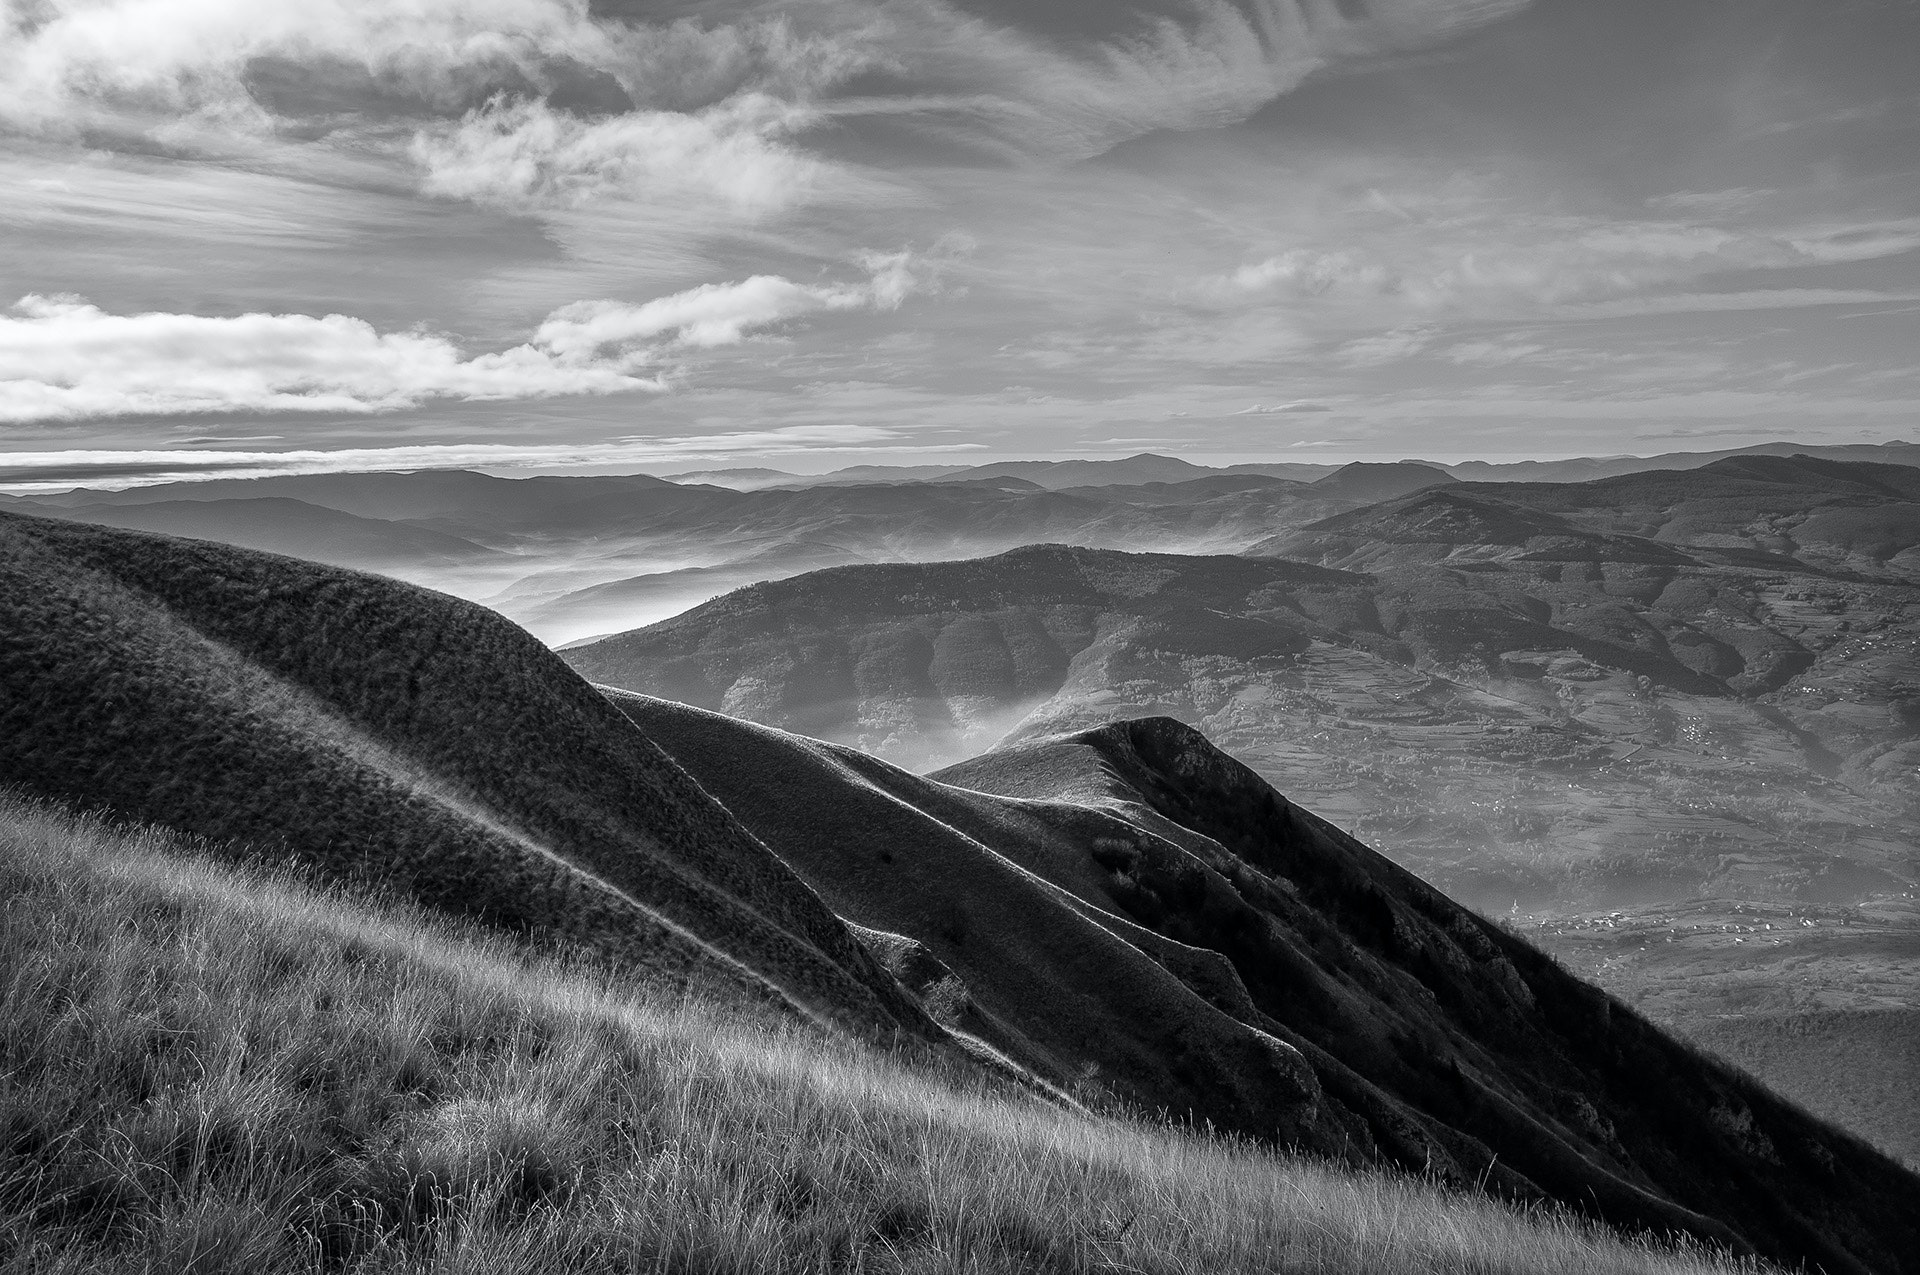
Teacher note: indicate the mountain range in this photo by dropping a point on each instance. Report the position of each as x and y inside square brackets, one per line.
[572, 558]
[1117, 914]
[1148, 467]
[1607, 693]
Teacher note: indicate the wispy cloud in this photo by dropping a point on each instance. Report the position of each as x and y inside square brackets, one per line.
[63, 359]
[96, 467]
[721, 314]
[688, 96]
[1282, 409]
[1497, 262]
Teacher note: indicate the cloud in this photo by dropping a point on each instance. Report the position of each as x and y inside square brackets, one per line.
[63, 359]
[617, 103]
[103, 468]
[574, 105]
[1497, 264]
[1387, 347]
[1219, 61]
[1746, 299]
[1282, 409]
[526, 154]
[1304, 272]
[721, 314]
[1493, 353]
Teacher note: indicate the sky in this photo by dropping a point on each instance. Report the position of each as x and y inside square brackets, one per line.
[245, 236]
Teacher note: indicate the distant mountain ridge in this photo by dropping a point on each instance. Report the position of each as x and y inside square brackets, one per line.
[579, 557]
[1148, 466]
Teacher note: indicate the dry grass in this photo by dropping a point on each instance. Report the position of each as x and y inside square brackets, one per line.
[207, 1070]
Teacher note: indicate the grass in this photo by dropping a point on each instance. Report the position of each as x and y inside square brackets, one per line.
[205, 1069]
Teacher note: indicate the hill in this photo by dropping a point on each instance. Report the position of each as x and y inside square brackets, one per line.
[281, 524]
[1367, 482]
[1851, 517]
[1523, 711]
[1578, 469]
[235, 1074]
[378, 731]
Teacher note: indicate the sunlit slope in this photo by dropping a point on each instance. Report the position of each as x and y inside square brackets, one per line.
[1133, 904]
[926, 663]
[1529, 712]
[219, 1072]
[381, 731]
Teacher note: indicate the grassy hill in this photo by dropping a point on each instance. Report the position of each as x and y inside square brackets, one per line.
[379, 731]
[232, 1074]
[1136, 902]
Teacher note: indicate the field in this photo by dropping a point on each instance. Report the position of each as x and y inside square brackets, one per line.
[1817, 1001]
[214, 1070]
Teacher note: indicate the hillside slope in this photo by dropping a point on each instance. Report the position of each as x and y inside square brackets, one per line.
[224, 1073]
[1125, 913]
[377, 730]
[1085, 896]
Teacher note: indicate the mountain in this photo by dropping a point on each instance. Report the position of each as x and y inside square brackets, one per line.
[1363, 482]
[280, 524]
[926, 663]
[1587, 468]
[376, 730]
[1135, 900]
[578, 557]
[1050, 474]
[1572, 470]
[1521, 710]
[1840, 515]
[744, 479]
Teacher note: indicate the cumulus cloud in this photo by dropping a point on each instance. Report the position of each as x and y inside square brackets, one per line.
[671, 109]
[525, 153]
[63, 359]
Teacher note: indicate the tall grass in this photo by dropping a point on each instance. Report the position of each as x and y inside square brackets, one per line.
[208, 1070]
